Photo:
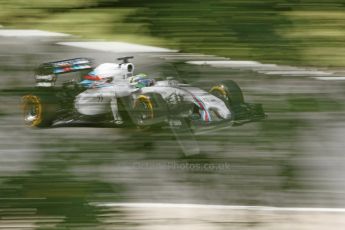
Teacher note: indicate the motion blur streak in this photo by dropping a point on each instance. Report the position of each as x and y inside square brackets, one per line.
[220, 216]
[206, 206]
[287, 55]
[295, 32]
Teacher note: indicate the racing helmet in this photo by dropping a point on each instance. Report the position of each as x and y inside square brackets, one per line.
[141, 80]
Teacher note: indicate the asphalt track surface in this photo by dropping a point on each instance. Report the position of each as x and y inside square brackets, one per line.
[64, 177]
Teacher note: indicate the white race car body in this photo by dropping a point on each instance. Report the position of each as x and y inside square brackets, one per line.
[97, 99]
[208, 105]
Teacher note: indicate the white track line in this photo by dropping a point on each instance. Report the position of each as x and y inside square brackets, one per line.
[117, 47]
[227, 207]
[299, 73]
[268, 69]
[330, 78]
[30, 33]
[226, 63]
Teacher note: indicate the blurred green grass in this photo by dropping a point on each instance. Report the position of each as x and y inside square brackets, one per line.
[303, 32]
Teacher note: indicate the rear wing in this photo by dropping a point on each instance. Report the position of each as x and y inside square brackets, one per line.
[46, 73]
[64, 66]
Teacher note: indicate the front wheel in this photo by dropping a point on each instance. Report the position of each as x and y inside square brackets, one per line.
[229, 92]
[143, 110]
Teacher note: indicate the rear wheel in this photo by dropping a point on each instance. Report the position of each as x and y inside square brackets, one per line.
[38, 111]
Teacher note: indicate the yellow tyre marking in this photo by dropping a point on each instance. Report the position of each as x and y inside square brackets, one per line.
[147, 101]
[38, 108]
[220, 89]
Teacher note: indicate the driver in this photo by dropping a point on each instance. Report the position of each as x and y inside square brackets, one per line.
[141, 80]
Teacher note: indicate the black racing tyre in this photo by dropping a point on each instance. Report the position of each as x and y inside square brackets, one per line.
[229, 92]
[39, 110]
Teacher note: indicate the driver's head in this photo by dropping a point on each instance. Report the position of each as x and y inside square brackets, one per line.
[141, 80]
[137, 78]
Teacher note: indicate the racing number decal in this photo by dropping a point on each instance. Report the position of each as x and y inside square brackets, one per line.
[100, 98]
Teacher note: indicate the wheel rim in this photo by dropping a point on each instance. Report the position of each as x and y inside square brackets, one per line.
[144, 109]
[220, 92]
[32, 110]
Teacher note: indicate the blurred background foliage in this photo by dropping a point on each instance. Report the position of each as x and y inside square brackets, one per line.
[299, 32]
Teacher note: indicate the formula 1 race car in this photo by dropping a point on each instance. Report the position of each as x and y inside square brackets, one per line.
[111, 95]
